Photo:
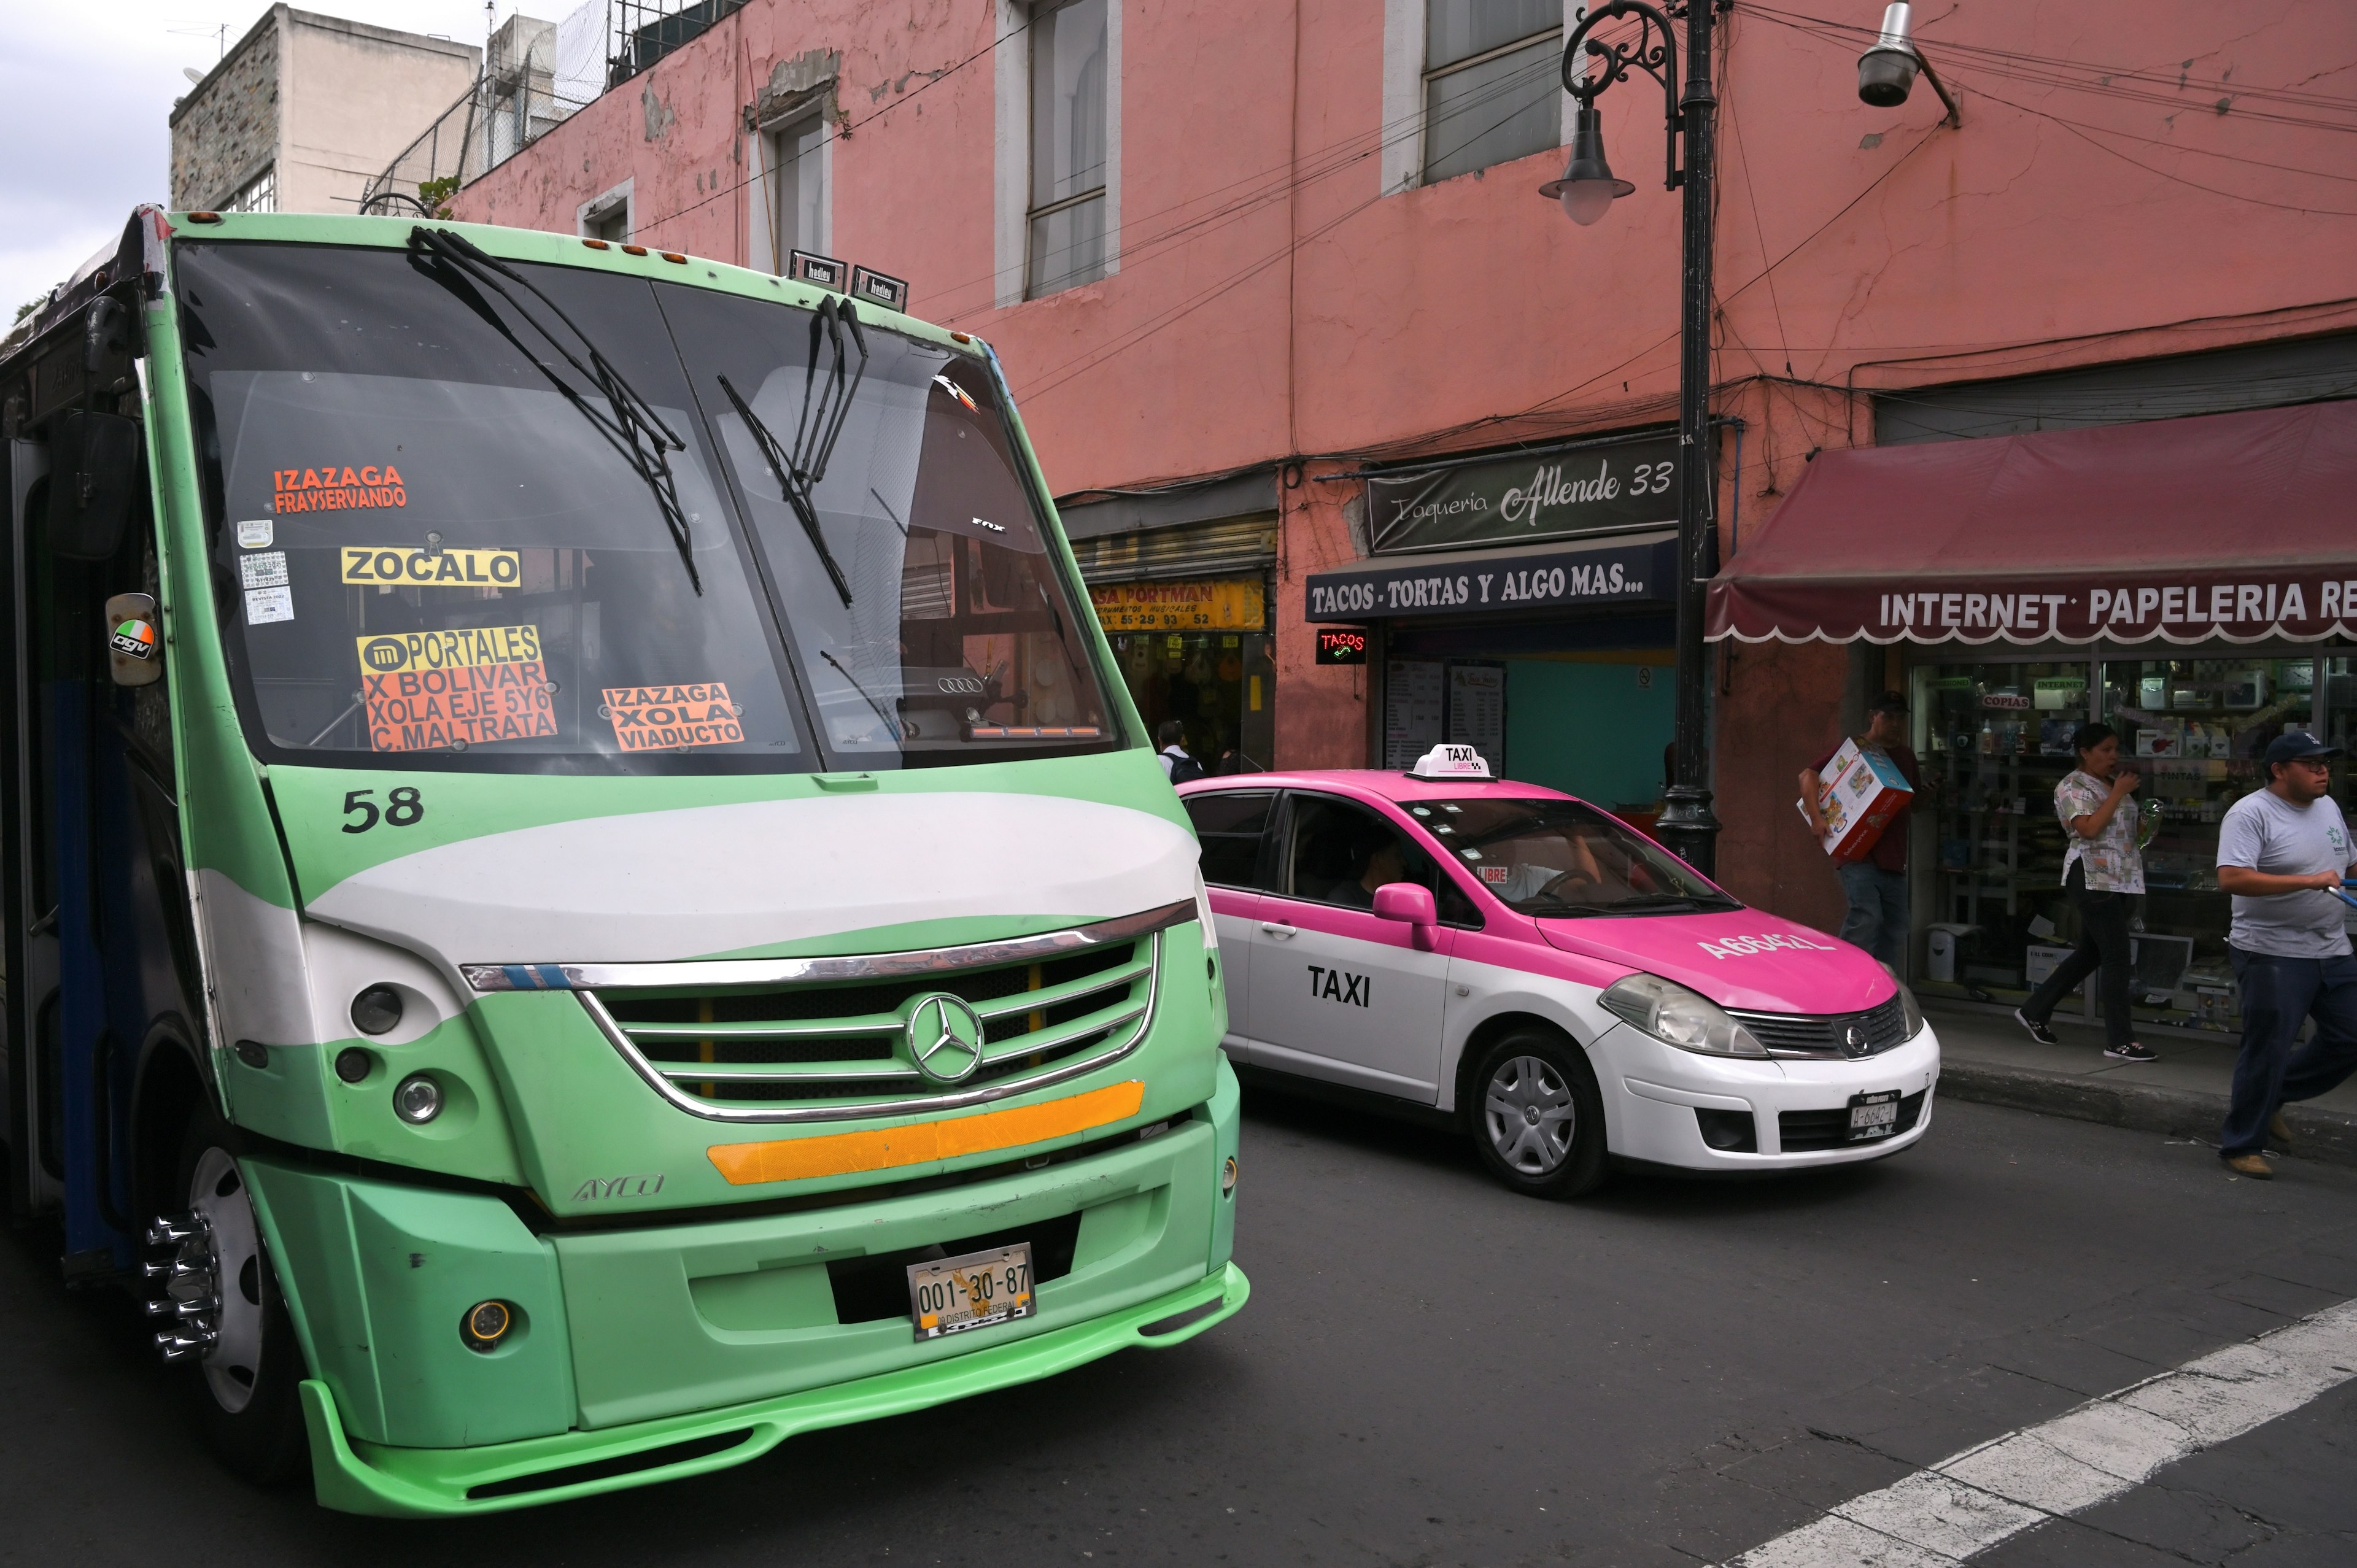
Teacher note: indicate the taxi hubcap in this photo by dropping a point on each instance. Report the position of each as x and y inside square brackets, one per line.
[1529, 1116]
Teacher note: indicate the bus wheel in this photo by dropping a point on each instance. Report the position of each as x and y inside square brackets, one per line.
[239, 1338]
[1536, 1117]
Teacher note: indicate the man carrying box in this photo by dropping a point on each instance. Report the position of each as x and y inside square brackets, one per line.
[1875, 883]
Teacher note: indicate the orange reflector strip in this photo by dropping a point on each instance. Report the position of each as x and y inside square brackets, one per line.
[841, 1153]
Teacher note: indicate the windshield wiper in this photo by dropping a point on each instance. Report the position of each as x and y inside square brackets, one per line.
[891, 725]
[633, 427]
[826, 404]
[782, 466]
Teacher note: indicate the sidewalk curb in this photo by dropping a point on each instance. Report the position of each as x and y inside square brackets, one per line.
[2329, 1137]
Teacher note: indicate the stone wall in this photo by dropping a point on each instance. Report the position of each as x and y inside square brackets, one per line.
[226, 130]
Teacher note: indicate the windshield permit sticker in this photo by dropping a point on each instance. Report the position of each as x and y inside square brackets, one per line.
[661, 718]
[255, 534]
[425, 690]
[1746, 947]
[408, 566]
[266, 569]
[336, 489]
[265, 606]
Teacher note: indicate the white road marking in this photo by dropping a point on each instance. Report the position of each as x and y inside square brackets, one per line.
[1970, 1501]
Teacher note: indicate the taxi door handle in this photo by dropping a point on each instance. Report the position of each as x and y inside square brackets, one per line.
[1273, 930]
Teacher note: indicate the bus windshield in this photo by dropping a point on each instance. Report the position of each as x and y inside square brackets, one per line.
[429, 538]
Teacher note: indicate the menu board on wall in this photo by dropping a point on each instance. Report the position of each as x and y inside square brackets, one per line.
[1412, 701]
[1477, 712]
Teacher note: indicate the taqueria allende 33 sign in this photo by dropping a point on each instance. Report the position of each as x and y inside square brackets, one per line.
[1526, 500]
[2242, 606]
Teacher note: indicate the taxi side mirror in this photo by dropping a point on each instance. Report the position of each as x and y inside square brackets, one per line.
[1407, 902]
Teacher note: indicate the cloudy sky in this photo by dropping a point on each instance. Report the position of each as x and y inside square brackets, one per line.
[84, 91]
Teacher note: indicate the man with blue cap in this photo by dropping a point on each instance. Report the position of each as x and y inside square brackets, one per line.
[2283, 853]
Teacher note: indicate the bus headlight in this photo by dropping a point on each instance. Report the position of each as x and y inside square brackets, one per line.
[417, 1100]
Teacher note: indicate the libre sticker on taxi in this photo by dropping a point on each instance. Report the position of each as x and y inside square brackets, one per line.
[474, 685]
[660, 718]
[412, 566]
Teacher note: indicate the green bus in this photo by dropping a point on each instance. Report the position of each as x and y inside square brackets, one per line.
[581, 893]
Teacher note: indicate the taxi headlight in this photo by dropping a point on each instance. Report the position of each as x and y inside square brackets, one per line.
[1677, 1016]
[1912, 1009]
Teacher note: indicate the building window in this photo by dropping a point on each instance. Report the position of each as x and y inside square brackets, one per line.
[259, 194]
[608, 217]
[798, 188]
[1066, 215]
[1491, 82]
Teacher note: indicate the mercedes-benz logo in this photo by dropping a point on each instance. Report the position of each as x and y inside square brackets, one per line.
[944, 1036]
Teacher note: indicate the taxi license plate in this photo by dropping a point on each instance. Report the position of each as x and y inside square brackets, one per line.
[1873, 1115]
[950, 1295]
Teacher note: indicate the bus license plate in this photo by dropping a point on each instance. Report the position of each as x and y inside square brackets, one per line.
[1873, 1115]
[950, 1295]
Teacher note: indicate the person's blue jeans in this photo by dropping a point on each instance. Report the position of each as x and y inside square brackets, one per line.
[2277, 995]
[1877, 920]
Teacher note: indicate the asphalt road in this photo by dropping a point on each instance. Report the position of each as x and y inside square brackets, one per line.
[1432, 1371]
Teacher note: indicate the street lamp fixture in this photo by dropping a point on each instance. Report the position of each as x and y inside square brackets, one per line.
[1586, 191]
[1589, 187]
[1886, 73]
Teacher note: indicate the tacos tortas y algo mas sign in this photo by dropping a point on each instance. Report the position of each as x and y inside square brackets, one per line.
[1522, 500]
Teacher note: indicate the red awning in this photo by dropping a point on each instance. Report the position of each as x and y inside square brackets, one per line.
[2239, 526]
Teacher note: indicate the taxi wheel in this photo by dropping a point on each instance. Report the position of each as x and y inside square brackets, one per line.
[245, 1380]
[1537, 1118]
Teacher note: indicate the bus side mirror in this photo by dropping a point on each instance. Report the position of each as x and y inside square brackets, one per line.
[94, 461]
[134, 645]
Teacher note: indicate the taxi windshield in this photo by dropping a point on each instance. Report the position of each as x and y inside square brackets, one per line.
[1560, 859]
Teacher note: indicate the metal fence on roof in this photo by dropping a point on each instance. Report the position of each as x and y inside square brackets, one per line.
[536, 76]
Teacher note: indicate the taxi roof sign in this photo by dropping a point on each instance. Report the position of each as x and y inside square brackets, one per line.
[1445, 762]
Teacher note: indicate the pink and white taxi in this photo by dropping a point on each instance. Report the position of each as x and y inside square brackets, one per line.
[1531, 969]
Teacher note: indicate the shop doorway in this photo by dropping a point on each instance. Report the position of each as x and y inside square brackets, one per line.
[1219, 684]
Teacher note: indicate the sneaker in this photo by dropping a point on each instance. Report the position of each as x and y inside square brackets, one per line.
[2037, 1027]
[2133, 1052]
[2251, 1165]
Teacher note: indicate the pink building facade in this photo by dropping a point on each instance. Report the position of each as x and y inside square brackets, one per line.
[1279, 297]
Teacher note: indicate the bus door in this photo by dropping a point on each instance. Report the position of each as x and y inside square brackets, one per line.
[95, 827]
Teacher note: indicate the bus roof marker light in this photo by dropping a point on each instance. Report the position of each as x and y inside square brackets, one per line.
[634, 250]
[204, 217]
[821, 271]
[673, 256]
[880, 288]
[596, 244]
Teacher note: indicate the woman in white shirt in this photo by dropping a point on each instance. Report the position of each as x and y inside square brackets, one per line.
[2103, 869]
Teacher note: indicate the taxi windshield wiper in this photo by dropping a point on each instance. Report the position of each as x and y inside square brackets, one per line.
[825, 405]
[628, 422]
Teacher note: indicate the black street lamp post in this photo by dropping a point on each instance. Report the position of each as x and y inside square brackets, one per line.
[1586, 191]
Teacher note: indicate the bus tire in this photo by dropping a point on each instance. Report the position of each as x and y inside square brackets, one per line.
[246, 1384]
[1536, 1116]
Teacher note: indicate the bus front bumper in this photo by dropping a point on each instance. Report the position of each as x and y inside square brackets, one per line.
[369, 1478]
